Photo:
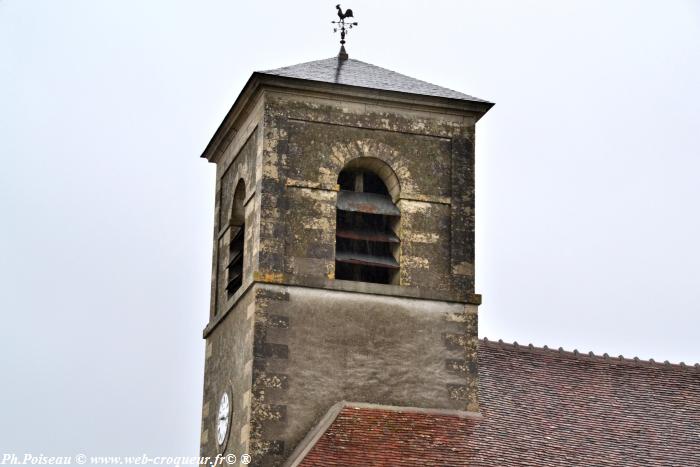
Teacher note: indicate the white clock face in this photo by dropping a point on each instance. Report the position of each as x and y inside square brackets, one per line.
[222, 418]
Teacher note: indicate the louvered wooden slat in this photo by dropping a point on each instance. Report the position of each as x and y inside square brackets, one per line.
[238, 235]
[368, 203]
[234, 279]
[234, 255]
[369, 235]
[366, 260]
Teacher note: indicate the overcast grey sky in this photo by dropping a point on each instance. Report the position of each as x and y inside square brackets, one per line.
[587, 170]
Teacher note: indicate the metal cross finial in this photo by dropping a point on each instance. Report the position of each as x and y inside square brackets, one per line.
[344, 28]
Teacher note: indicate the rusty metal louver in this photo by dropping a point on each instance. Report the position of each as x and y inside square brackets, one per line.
[368, 203]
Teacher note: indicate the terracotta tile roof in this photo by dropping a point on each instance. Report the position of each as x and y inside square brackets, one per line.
[353, 72]
[375, 436]
[540, 407]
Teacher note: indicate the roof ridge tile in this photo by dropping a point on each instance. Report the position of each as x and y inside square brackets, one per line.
[576, 354]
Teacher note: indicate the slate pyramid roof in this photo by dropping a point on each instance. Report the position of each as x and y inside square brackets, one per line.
[345, 72]
[353, 72]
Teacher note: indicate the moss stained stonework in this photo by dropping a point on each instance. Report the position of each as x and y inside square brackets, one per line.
[309, 141]
[293, 341]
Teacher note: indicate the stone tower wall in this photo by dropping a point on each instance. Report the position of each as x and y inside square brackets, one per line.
[293, 340]
[316, 347]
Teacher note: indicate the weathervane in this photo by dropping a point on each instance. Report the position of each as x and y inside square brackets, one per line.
[344, 28]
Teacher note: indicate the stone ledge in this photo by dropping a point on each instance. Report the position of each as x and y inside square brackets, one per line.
[368, 288]
[399, 291]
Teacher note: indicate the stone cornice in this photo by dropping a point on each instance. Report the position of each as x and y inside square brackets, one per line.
[258, 82]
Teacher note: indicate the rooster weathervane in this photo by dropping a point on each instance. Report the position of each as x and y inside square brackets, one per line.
[344, 28]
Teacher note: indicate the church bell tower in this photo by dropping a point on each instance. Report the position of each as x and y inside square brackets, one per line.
[343, 262]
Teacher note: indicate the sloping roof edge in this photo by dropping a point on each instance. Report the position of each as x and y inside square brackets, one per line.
[226, 124]
[257, 79]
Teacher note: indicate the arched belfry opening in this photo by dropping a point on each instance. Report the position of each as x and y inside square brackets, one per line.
[367, 220]
[237, 243]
